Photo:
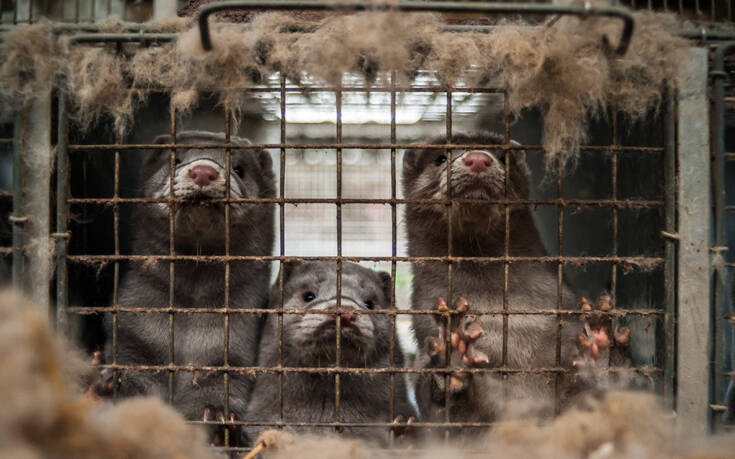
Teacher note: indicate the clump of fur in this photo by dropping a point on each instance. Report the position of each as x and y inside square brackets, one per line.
[45, 414]
[565, 68]
[617, 425]
[29, 57]
[286, 445]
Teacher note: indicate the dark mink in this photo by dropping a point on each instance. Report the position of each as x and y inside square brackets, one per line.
[309, 340]
[199, 229]
[479, 230]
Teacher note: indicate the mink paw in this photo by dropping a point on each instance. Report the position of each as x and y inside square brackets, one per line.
[600, 335]
[464, 331]
[403, 427]
[101, 383]
[226, 433]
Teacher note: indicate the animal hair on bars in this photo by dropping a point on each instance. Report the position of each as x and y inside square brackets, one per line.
[561, 68]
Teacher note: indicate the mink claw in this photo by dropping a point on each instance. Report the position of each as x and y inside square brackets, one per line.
[622, 336]
[402, 426]
[470, 330]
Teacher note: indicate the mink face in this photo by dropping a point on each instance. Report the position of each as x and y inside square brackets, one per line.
[477, 173]
[313, 287]
[201, 175]
[310, 340]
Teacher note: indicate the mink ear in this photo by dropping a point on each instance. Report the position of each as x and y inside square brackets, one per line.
[154, 155]
[409, 159]
[265, 161]
[163, 139]
[287, 268]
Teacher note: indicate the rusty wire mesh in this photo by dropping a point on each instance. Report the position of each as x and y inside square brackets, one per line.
[615, 262]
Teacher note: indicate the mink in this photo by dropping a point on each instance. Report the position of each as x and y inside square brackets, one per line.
[200, 228]
[309, 340]
[478, 229]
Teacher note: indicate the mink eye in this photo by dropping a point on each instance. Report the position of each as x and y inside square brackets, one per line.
[238, 170]
[177, 161]
[309, 296]
[441, 159]
[369, 304]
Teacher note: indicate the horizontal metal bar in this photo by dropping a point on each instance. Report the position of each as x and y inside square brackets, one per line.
[647, 261]
[87, 310]
[343, 424]
[346, 146]
[372, 371]
[460, 90]
[90, 28]
[617, 203]
[120, 37]
[422, 6]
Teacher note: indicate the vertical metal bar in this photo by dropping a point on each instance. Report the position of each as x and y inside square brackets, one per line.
[670, 251]
[116, 269]
[614, 188]
[37, 157]
[18, 261]
[338, 95]
[394, 237]
[228, 168]
[172, 252]
[559, 274]
[447, 344]
[62, 187]
[506, 248]
[694, 207]
[282, 219]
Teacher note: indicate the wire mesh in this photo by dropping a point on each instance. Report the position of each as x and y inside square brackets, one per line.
[350, 199]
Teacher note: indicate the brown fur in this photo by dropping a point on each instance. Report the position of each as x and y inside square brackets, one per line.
[561, 69]
[45, 414]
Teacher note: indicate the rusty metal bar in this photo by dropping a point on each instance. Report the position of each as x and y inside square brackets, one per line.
[428, 6]
[647, 370]
[394, 252]
[338, 331]
[559, 202]
[18, 219]
[644, 262]
[228, 221]
[364, 146]
[450, 224]
[171, 267]
[282, 239]
[163, 309]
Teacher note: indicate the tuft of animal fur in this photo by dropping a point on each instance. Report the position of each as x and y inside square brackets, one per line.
[562, 68]
[46, 414]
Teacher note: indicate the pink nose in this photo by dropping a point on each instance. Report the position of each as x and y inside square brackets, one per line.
[347, 315]
[477, 161]
[203, 175]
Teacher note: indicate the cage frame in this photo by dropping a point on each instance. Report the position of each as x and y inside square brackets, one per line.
[680, 157]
